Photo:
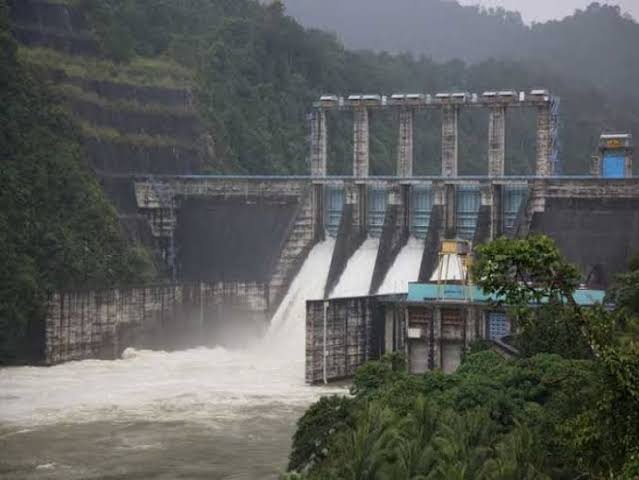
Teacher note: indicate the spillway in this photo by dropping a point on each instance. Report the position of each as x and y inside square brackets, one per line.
[357, 276]
[287, 331]
[405, 269]
[208, 412]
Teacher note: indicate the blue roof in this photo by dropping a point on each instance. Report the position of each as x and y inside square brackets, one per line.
[428, 292]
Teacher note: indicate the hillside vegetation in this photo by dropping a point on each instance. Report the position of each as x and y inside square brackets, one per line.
[57, 230]
[256, 72]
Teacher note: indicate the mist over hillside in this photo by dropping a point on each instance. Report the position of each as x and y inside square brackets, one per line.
[596, 45]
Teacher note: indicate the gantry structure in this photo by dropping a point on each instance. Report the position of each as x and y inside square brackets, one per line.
[450, 105]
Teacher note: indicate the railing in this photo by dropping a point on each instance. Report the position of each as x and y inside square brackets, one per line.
[343, 178]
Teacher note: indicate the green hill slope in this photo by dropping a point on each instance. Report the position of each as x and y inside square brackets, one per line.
[57, 230]
[250, 73]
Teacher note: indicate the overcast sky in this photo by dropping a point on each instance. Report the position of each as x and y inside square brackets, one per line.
[542, 10]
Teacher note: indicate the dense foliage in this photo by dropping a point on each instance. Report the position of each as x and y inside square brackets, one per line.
[258, 72]
[56, 229]
[559, 411]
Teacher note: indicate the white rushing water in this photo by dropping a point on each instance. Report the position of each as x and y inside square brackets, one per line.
[176, 385]
[405, 269]
[357, 276]
[255, 394]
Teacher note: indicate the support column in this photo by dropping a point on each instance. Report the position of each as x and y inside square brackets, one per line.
[319, 143]
[356, 196]
[405, 145]
[450, 209]
[360, 143]
[484, 228]
[544, 167]
[497, 214]
[450, 141]
[497, 142]
[319, 212]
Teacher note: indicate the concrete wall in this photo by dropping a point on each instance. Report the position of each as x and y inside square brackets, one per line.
[257, 230]
[238, 238]
[101, 324]
[301, 237]
[598, 235]
[594, 222]
[341, 335]
[445, 332]
[306, 227]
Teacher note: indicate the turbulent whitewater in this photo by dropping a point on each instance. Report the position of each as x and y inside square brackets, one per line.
[356, 279]
[231, 400]
[405, 269]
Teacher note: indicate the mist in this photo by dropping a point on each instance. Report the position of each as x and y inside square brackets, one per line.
[545, 10]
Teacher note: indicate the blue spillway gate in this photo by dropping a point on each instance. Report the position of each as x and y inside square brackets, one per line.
[514, 197]
[421, 208]
[468, 200]
[377, 201]
[334, 203]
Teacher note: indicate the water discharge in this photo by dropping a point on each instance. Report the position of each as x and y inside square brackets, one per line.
[357, 276]
[205, 413]
[405, 269]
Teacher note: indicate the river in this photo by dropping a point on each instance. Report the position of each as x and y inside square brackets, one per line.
[205, 413]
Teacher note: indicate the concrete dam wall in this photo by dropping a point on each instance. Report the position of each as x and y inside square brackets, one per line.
[102, 324]
[257, 229]
[245, 239]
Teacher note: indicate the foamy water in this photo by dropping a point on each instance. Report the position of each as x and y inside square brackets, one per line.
[284, 335]
[249, 395]
[356, 279]
[405, 269]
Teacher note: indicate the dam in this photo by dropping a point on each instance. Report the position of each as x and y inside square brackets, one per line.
[233, 245]
[217, 361]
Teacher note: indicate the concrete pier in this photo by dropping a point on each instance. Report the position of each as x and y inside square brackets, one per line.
[361, 156]
[497, 142]
[394, 236]
[319, 143]
[405, 147]
[450, 140]
[544, 167]
[351, 233]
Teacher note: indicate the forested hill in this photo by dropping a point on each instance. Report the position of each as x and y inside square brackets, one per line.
[254, 71]
[57, 231]
[598, 44]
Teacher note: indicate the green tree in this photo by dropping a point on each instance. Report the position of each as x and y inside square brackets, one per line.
[531, 270]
